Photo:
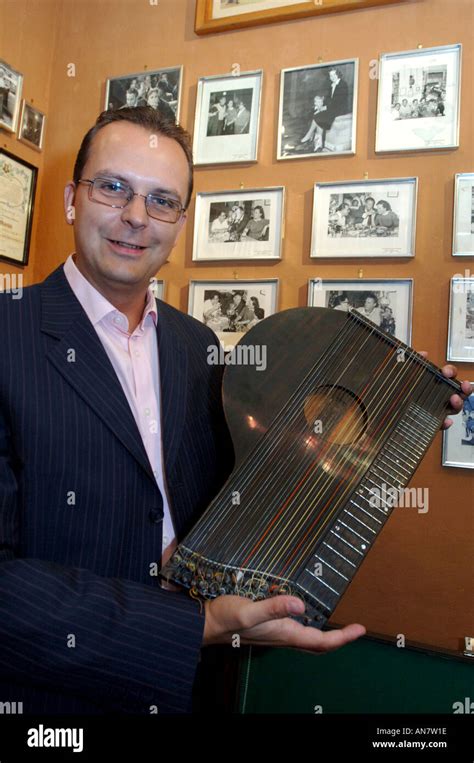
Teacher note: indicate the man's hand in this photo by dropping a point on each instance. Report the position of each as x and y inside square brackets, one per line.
[456, 401]
[266, 623]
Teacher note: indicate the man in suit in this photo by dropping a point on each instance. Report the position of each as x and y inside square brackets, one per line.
[112, 442]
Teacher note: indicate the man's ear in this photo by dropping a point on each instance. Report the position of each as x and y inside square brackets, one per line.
[69, 210]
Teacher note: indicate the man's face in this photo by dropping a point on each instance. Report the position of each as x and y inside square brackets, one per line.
[131, 100]
[103, 234]
[333, 76]
[153, 99]
[369, 304]
[380, 209]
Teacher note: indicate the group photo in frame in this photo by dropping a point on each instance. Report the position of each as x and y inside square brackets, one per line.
[458, 440]
[386, 302]
[461, 320]
[418, 100]
[231, 308]
[365, 218]
[239, 225]
[227, 118]
[463, 216]
[318, 110]
[160, 89]
[17, 197]
[11, 84]
[32, 124]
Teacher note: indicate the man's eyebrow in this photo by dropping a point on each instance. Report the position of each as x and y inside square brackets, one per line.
[117, 176]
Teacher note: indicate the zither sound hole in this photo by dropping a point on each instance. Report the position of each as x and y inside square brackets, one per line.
[335, 414]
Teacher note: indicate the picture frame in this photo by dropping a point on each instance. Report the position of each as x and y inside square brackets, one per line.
[418, 101]
[226, 125]
[317, 114]
[223, 15]
[32, 126]
[158, 288]
[239, 225]
[461, 320]
[17, 196]
[388, 302]
[11, 85]
[364, 218]
[463, 215]
[458, 440]
[160, 88]
[214, 303]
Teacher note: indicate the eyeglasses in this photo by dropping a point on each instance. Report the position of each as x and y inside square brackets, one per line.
[115, 193]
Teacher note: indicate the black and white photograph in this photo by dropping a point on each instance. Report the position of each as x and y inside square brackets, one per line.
[239, 225]
[160, 89]
[32, 124]
[387, 303]
[461, 320]
[458, 440]
[231, 308]
[229, 112]
[419, 99]
[225, 8]
[11, 83]
[365, 218]
[463, 218]
[318, 110]
[227, 106]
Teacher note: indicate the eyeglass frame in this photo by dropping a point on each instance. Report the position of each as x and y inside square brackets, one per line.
[133, 194]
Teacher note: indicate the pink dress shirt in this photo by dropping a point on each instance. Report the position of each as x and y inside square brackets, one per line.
[136, 363]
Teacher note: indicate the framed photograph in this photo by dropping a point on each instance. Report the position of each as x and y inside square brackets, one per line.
[32, 123]
[158, 288]
[458, 440]
[221, 15]
[418, 99]
[17, 195]
[11, 83]
[239, 225]
[461, 320]
[387, 302]
[318, 110]
[227, 118]
[463, 218]
[160, 89]
[231, 308]
[364, 218]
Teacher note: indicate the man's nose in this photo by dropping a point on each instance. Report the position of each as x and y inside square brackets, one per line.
[135, 212]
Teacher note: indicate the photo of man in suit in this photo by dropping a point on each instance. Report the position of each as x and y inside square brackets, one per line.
[112, 443]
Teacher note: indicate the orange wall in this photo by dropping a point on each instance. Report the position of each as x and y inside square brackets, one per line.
[400, 581]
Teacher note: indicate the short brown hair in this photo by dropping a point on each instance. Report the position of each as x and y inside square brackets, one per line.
[143, 116]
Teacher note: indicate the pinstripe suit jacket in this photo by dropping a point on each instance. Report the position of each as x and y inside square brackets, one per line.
[84, 626]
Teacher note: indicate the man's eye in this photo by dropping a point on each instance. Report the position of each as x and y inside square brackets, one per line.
[163, 202]
[112, 186]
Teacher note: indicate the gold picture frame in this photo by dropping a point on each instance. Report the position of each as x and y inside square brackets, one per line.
[207, 23]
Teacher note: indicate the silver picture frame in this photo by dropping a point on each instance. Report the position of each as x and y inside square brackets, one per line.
[463, 215]
[461, 320]
[215, 304]
[388, 302]
[317, 115]
[418, 100]
[364, 218]
[168, 81]
[158, 287]
[11, 85]
[32, 126]
[244, 224]
[458, 440]
[227, 120]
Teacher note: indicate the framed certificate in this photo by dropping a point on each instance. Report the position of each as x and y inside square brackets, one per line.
[17, 194]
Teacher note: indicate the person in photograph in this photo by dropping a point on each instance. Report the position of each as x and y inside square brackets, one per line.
[131, 98]
[320, 122]
[396, 111]
[387, 320]
[369, 214]
[5, 86]
[235, 310]
[230, 117]
[113, 443]
[156, 102]
[257, 226]
[143, 91]
[212, 313]
[341, 302]
[468, 419]
[238, 223]
[169, 91]
[242, 117]
[405, 109]
[370, 309]
[338, 96]
[219, 227]
[339, 220]
[386, 217]
[221, 107]
[259, 312]
[415, 108]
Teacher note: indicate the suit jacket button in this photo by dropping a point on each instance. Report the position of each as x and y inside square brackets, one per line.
[155, 516]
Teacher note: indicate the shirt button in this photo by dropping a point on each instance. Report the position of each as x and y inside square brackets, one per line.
[147, 411]
[117, 320]
[155, 516]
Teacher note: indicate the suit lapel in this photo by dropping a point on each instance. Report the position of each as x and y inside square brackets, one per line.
[81, 359]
